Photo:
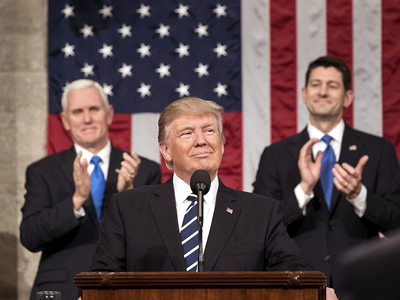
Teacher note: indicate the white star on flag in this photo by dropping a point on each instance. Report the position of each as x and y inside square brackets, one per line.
[182, 10]
[87, 70]
[106, 50]
[68, 11]
[125, 70]
[108, 89]
[144, 11]
[163, 70]
[87, 31]
[201, 30]
[106, 11]
[182, 50]
[163, 30]
[202, 70]
[68, 50]
[221, 90]
[183, 90]
[144, 90]
[144, 50]
[125, 31]
[220, 11]
[220, 50]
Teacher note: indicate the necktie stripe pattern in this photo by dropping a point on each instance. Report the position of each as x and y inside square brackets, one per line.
[190, 235]
[328, 162]
[97, 185]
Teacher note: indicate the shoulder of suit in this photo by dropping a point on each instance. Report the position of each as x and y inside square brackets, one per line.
[53, 159]
[248, 196]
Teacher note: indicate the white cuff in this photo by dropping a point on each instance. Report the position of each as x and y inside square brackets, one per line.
[360, 202]
[302, 198]
[80, 213]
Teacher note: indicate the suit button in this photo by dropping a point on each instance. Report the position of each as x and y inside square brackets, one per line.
[327, 258]
[331, 228]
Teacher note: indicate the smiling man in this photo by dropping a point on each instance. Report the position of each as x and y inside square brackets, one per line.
[67, 192]
[144, 228]
[337, 186]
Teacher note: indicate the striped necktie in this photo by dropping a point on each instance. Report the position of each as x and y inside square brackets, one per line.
[97, 185]
[190, 235]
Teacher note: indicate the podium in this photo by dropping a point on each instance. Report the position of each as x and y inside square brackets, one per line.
[301, 285]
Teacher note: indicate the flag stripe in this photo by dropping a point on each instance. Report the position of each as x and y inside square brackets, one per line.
[283, 69]
[255, 85]
[367, 66]
[391, 71]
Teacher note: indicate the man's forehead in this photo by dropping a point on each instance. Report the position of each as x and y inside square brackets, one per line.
[194, 119]
[326, 73]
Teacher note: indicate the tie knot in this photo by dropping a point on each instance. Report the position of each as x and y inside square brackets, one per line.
[327, 139]
[191, 198]
[95, 160]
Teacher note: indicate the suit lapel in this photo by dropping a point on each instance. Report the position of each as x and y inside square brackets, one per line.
[67, 165]
[349, 153]
[164, 211]
[222, 226]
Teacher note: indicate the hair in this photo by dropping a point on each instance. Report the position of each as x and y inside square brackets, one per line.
[331, 61]
[82, 84]
[188, 106]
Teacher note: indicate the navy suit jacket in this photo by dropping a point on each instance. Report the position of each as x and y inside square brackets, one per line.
[322, 234]
[49, 224]
[140, 233]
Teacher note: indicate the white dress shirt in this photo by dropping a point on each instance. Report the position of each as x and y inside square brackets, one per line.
[360, 202]
[182, 191]
[104, 154]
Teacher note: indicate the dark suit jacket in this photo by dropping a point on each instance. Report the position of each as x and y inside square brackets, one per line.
[140, 233]
[370, 270]
[49, 224]
[323, 234]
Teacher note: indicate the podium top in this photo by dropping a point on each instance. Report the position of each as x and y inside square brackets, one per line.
[284, 279]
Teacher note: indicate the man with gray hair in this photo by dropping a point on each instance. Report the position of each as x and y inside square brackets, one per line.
[67, 192]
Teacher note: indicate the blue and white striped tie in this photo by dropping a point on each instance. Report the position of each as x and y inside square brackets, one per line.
[190, 235]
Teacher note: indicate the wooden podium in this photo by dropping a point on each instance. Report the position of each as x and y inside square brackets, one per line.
[310, 285]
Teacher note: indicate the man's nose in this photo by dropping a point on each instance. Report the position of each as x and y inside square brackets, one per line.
[199, 138]
[324, 89]
[87, 117]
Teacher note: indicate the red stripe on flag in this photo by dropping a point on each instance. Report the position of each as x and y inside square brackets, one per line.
[283, 69]
[340, 38]
[230, 171]
[391, 71]
[59, 139]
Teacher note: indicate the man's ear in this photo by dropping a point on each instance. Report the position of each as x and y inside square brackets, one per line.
[348, 98]
[110, 114]
[65, 121]
[165, 152]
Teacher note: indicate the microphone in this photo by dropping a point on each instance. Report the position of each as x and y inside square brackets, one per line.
[200, 183]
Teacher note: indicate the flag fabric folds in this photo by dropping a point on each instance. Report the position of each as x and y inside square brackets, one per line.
[248, 56]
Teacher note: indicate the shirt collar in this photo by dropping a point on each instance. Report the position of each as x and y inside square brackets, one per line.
[104, 153]
[336, 133]
[182, 190]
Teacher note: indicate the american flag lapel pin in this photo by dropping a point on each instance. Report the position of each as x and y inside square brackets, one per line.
[229, 210]
[353, 148]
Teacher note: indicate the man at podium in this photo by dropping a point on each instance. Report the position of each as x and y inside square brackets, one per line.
[241, 231]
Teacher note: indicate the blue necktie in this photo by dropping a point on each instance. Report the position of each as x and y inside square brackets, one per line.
[328, 162]
[97, 185]
[190, 235]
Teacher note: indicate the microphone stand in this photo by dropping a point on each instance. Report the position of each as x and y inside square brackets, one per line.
[200, 212]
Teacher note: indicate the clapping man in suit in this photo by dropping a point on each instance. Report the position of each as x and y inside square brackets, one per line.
[241, 231]
[68, 192]
[337, 186]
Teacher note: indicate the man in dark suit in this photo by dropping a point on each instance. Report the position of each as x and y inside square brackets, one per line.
[60, 217]
[241, 231]
[364, 194]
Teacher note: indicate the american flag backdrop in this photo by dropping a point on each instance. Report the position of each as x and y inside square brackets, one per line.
[250, 56]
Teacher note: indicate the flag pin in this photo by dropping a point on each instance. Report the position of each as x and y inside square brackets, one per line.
[353, 147]
[229, 210]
